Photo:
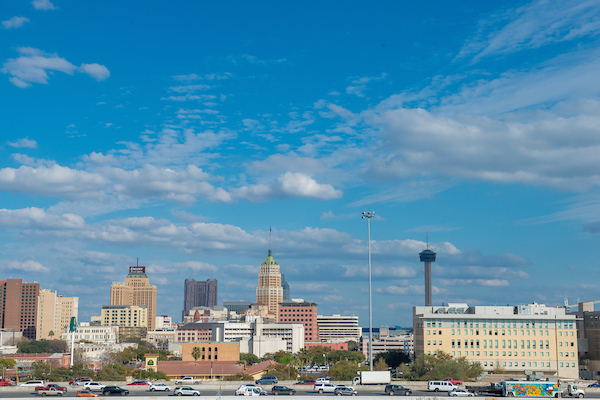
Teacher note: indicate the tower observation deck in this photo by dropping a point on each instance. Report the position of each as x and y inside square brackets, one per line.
[427, 256]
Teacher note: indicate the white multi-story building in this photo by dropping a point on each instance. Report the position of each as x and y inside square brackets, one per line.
[99, 351]
[94, 334]
[161, 339]
[338, 328]
[516, 339]
[164, 323]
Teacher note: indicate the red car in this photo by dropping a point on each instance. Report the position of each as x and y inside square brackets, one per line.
[305, 382]
[4, 382]
[139, 383]
[453, 381]
[51, 385]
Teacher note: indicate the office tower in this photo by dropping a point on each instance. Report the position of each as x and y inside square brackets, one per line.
[427, 256]
[136, 291]
[199, 294]
[19, 306]
[286, 288]
[54, 314]
[298, 311]
[236, 306]
[269, 290]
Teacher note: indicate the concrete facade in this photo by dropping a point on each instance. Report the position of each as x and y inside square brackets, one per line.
[525, 337]
[338, 328]
[269, 290]
[54, 313]
[95, 334]
[125, 316]
[136, 291]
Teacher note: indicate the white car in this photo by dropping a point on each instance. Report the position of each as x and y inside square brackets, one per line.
[323, 380]
[160, 387]
[461, 393]
[324, 387]
[190, 380]
[250, 390]
[94, 386]
[33, 383]
[186, 391]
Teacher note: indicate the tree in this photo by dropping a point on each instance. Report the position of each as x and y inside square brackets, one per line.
[51, 333]
[345, 370]
[339, 355]
[196, 353]
[380, 365]
[32, 346]
[7, 363]
[239, 377]
[56, 346]
[394, 358]
[352, 345]
[442, 365]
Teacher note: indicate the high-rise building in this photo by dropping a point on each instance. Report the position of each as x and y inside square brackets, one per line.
[199, 294]
[338, 328]
[125, 316]
[236, 306]
[136, 291]
[516, 339]
[54, 313]
[269, 290]
[286, 288]
[302, 312]
[19, 306]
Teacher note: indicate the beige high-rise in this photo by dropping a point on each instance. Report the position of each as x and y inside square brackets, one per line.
[54, 314]
[269, 290]
[136, 291]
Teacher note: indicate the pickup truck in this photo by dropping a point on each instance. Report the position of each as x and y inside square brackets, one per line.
[493, 388]
[50, 392]
[5, 382]
[190, 380]
[51, 385]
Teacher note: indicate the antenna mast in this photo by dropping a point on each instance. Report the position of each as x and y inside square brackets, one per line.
[427, 239]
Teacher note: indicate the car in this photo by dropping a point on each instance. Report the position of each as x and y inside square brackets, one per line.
[324, 387]
[51, 385]
[250, 390]
[594, 385]
[305, 382]
[241, 391]
[108, 390]
[397, 389]
[345, 391]
[7, 382]
[50, 391]
[140, 383]
[453, 381]
[32, 383]
[323, 379]
[443, 386]
[160, 387]
[190, 380]
[80, 381]
[267, 380]
[94, 386]
[460, 393]
[86, 393]
[185, 391]
[282, 390]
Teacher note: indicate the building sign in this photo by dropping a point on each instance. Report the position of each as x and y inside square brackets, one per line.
[137, 270]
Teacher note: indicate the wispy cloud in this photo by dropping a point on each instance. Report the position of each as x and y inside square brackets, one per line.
[14, 22]
[24, 142]
[43, 5]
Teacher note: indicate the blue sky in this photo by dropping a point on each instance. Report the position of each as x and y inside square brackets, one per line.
[180, 132]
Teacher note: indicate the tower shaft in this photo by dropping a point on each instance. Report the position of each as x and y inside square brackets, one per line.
[428, 283]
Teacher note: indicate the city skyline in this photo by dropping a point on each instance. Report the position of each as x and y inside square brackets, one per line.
[180, 133]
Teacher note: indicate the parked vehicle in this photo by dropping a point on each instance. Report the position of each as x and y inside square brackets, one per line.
[50, 392]
[190, 380]
[109, 390]
[267, 380]
[51, 385]
[243, 388]
[345, 391]
[186, 391]
[461, 393]
[594, 385]
[33, 383]
[305, 382]
[441, 386]
[250, 390]
[160, 387]
[324, 387]
[7, 382]
[282, 390]
[94, 386]
[81, 381]
[493, 388]
[140, 383]
[397, 390]
[323, 379]
[86, 393]
[372, 378]
[453, 381]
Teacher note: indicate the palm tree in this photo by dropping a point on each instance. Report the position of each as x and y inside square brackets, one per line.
[196, 353]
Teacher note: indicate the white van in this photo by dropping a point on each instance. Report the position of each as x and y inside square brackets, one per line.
[441, 386]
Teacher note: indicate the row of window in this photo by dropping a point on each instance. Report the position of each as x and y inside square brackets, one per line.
[529, 364]
[504, 332]
[511, 344]
[511, 354]
[484, 323]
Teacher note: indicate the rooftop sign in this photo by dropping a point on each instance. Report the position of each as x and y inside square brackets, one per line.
[137, 270]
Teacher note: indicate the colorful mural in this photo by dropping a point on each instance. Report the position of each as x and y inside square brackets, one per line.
[532, 389]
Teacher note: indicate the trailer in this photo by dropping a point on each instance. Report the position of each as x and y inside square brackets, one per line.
[372, 378]
[539, 389]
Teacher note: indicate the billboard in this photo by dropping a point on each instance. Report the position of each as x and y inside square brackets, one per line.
[137, 270]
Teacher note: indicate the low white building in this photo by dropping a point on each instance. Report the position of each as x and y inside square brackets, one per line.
[93, 333]
[338, 328]
[98, 351]
[161, 338]
[164, 323]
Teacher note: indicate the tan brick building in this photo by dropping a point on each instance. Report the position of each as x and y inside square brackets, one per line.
[269, 290]
[54, 313]
[211, 351]
[520, 338]
[136, 291]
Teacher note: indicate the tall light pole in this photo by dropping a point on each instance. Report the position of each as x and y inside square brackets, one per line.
[368, 215]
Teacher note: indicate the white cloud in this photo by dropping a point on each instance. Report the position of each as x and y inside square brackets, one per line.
[32, 66]
[290, 184]
[28, 265]
[189, 88]
[197, 266]
[37, 218]
[52, 181]
[43, 5]
[96, 71]
[25, 142]
[327, 215]
[14, 22]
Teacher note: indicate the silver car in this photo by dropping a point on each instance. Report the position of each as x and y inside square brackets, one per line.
[460, 393]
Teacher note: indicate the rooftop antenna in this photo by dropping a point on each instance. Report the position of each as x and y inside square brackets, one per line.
[427, 239]
[138, 262]
[269, 237]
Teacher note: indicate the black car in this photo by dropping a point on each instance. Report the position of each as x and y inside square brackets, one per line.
[282, 390]
[397, 389]
[114, 390]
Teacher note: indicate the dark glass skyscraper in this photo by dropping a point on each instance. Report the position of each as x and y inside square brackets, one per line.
[286, 288]
[199, 294]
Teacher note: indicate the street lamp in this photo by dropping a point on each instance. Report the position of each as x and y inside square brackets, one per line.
[368, 215]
